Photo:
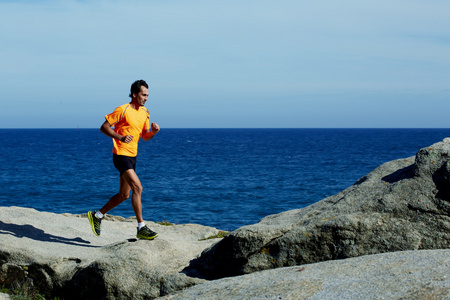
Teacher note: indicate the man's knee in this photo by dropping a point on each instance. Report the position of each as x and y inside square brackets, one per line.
[123, 196]
[133, 181]
[137, 189]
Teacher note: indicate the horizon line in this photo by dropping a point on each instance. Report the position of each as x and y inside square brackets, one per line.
[265, 128]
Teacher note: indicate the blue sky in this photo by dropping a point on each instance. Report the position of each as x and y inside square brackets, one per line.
[229, 64]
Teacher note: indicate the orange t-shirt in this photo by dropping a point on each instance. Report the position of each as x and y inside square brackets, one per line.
[128, 121]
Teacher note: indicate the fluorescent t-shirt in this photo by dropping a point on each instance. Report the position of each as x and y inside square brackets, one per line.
[128, 121]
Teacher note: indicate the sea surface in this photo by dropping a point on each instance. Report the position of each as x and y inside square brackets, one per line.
[225, 178]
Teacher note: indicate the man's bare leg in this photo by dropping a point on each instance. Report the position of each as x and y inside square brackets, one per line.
[124, 194]
[129, 181]
[132, 180]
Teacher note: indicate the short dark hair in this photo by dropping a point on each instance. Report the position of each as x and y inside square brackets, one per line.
[136, 87]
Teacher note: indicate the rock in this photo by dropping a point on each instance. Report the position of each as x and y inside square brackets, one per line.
[423, 274]
[59, 255]
[401, 205]
[4, 296]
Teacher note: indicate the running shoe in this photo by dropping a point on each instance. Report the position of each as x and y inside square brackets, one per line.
[95, 222]
[146, 233]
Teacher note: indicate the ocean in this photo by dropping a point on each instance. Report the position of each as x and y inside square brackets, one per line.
[225, 178]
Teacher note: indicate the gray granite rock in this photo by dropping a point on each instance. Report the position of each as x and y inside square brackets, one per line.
[4, 296]
[401, 205]
[423, 274]
[59, 254]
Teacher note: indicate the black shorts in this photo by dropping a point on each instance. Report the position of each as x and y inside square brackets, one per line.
[123, 163]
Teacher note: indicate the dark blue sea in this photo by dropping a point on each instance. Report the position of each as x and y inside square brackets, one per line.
[225, 178]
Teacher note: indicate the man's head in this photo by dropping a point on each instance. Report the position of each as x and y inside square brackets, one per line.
[136, 88]
[139, 92]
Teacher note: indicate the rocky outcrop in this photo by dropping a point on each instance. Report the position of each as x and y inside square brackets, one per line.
[401, 205]
[60, 256]
[412, 275]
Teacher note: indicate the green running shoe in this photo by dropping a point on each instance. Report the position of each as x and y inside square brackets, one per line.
[146, 233]
[95, 222]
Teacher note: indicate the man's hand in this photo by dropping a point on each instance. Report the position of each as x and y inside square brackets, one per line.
[155, 128]
[151, 133]
[126, 139]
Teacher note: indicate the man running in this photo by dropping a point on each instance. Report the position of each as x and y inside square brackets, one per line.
[130, 121]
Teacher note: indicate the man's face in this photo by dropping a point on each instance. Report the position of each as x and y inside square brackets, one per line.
[142, 96]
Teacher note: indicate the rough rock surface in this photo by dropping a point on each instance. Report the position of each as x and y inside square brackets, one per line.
[423, 274]
[401, 205]
[59, 254]
[4, 296]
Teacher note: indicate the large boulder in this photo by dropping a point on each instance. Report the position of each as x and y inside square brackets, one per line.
[60, 256]
[401, 205]
[413, 275]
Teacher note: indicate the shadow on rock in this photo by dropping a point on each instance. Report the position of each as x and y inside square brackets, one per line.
[441, 179]
[37, 234]
[405, 173]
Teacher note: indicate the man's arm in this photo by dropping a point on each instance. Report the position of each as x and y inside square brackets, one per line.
[108, 131]
[148, 135]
